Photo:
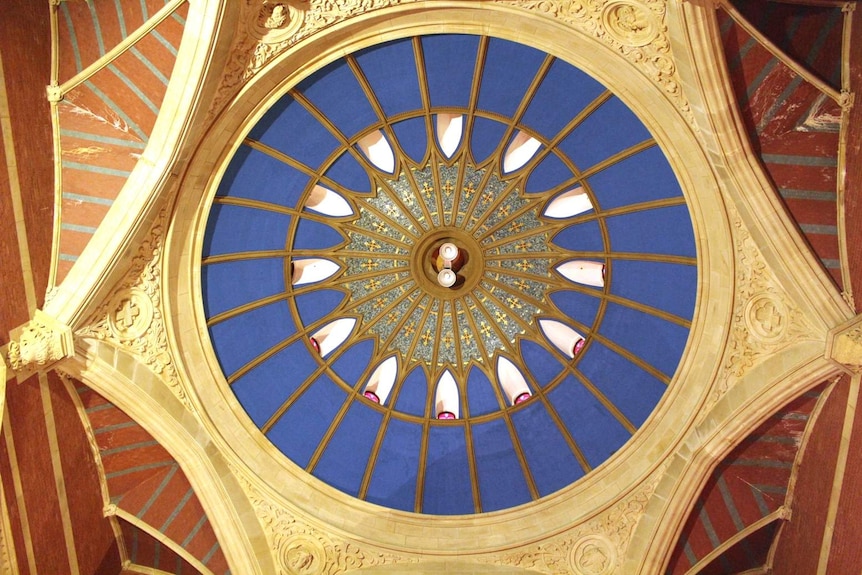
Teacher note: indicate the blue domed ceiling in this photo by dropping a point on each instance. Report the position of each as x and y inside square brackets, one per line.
[326, 250]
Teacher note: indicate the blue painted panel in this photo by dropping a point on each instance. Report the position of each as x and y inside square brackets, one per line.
[608, 130]
[318, 304]
[550, 173]
[543, 366]
[291, 129]
[642, 177]
[666, 286]
[551, 462]
[450, 60]
[659, 231]
[313, 235]
[234, 347]
[336, 93]
[343, 463]
[634, 391]
[448, 489]
[412, 138]
[501, 479]
[391, 70]
[232, 229]
[258, 176]
[413, 395]
[480, 393]
[564, 92]
[586, 236]
[658, 342]
[485, 138]
[353, 362]
[393, 481]
[299, 431]
[227, 285]
[349, 174]
[509, 71]
[593, 428]
[265, 388]
[579, 306]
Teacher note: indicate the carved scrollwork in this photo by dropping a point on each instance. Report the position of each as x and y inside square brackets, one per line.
[592, 548]
[635, 29]
[300, 549]
[133, 318]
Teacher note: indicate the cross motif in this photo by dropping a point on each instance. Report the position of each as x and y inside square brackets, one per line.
[410, 329]
[516, 227]
[372, 245]
[379, 303]
[524, 265]
[391, 317]
[505, 210]
[373, 284]
[469, 190]
[380, 227]
[522, 245]
[426, 189]
[485, 329]
[467, 336]
[448, 340]
[127, 312]
[501, 317]
[487, 197]
[514, 302]
[369, 265]
[522, 285]
[426, 337]
[448, 187]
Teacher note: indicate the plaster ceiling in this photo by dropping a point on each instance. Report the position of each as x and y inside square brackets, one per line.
[321, 253]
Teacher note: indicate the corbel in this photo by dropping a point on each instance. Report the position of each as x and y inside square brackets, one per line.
[38, 344]
[844, 345]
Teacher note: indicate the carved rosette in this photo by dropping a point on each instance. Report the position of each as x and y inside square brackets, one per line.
[764, 318]
[133, 320]
[300, 549]
[633, 28]
[592, 548]
[39, 343]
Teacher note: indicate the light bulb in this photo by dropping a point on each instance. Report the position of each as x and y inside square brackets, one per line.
[446, 278]
[448, 251]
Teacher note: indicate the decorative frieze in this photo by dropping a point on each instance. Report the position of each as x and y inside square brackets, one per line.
[133, 320]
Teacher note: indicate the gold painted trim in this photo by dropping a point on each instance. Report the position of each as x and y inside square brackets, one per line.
[779, 514]
[843, 131]
[838, 478]
[24, 519]
[121, 47]
[6, 534]
[773, 49]
[161, 537]
[15, 189]
[57, 467]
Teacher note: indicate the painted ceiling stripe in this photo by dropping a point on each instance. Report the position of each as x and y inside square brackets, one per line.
[97, 28]
[134, 89]
[73, 39]
[117, 109]
[102, 139]
[88, 199]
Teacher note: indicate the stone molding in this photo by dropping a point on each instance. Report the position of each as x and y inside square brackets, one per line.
[844, 345]
[39, 343]
[133, 319]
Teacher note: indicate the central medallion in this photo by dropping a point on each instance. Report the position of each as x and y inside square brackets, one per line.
[448, 312]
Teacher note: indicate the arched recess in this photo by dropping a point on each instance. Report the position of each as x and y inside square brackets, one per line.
[663, 431]
[764, 389]
[135, 389]
[201, 58]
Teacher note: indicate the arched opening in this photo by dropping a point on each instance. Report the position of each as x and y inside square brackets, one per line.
[327, 202]
[330, 336]
[449, 130]
[520, 150]
[512, 381]
[583, 272]
[563, 337]
[311, 270]
[446, 404]
[571, 203]
[378, 151]
[381, 381]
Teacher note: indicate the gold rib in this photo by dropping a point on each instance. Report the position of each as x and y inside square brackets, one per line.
[239, 256]
[619, 156]
[420, 472]
[269, 207]
[120, 48]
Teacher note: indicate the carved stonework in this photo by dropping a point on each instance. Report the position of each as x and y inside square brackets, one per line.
[592, 548]
[270, 27]
[844, 345]
[635, 29]
[764, 318]
[133, 318]
[300, 549]
[39, 343]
